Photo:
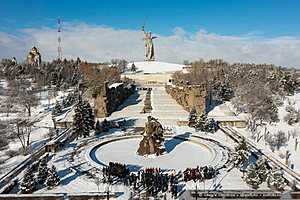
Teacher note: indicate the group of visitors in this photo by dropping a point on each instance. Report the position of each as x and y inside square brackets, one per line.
[115, 169]
[199, 173]
[153, 180]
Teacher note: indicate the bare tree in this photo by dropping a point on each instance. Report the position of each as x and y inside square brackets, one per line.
[277, 140]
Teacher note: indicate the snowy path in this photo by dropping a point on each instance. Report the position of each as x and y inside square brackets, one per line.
[165, 109]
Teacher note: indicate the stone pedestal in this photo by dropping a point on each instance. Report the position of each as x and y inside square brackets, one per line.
[150, 146]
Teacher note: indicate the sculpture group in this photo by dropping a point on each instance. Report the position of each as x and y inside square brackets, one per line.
[152, 142]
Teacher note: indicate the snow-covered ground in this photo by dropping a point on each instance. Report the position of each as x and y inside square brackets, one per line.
[156, 67]
[183, 154]
[39, 131]
[125, 151]
[292, 132]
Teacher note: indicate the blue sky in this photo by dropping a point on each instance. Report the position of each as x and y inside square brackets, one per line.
[230, 17]
[259, 31]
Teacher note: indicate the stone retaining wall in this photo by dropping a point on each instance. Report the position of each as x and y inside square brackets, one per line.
[190, 97]
[108, 98]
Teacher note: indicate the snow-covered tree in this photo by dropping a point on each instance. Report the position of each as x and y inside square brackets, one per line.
[42, 171]
[57, 109]
[52, 178]
[242, 145]
[238, 158]
[276, 180]
[28, 183]
[276, 140]
[223, 91]
[262, 169]
[206, 125]
[289, 83]
[293, 115]
[71, 99]
[251, 177]
[84, 119]
[240, 155]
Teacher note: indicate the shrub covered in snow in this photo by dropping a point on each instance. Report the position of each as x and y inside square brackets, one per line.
[293, 115]
[277, 140]
[28, 183]
[276, 180]
[52, 178]
[42, 171]
[57, 109]
[257, 173]
[252, 177]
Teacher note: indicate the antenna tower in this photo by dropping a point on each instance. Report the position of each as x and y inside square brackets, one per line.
[59, 49]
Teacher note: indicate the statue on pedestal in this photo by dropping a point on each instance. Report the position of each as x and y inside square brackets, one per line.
[149, 48]
[152, 142]
[34, 57]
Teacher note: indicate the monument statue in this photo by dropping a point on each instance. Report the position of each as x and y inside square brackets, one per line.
[149, 48]
[34, 57]
[152, 142]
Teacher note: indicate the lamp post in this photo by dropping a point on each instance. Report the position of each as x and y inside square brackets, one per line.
[107, 191]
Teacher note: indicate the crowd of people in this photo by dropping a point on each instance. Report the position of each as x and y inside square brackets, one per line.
[154, 180]
[199, 173]
[115, 169]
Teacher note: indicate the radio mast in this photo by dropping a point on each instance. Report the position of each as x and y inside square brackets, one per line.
[59, 49]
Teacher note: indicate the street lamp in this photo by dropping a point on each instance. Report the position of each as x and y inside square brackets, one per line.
[107, 191]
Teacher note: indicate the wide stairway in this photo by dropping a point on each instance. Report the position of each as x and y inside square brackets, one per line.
[165, 109]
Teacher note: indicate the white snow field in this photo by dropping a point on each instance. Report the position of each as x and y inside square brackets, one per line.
[156, 67]
[124, 151]
[292, 132]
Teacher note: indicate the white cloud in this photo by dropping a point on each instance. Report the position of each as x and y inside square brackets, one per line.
[101, 43]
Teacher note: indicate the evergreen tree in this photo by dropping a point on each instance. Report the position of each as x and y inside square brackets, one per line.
[57, 109]
[28, 183]
[201, 123]
[262, 169]
[239, 157]
[223, 91]
[252, 177]
[98, 127]
[42, 171]
[242, 145]
[70, 99]
[52, 178]
[192, 118]
[206, 125]
[276, 180]
[84, 119]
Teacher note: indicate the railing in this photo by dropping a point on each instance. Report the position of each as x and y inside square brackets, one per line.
[290, 175]
[6, 178]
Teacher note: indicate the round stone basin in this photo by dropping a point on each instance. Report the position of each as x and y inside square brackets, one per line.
[181, 153]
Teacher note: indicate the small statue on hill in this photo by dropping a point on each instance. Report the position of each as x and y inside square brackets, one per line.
[152, 142]
[34, 57]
